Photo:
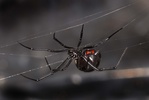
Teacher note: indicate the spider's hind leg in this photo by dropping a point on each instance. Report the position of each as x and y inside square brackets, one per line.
[40, 49]
[115, 67]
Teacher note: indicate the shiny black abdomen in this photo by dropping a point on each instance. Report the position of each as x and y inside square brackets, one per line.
[92, 58]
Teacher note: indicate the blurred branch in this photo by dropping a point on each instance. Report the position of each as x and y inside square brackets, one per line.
[125, 85]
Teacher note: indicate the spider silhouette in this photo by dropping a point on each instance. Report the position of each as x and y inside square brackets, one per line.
[86, 58]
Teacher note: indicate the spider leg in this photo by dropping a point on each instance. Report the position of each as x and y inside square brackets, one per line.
[67, 65]
[67, 61]
[112, 68]
[103, 41]
[60, 42]
[81, 35]
[48, 64]
[89, 63]
[39, 79]
[103, 69]
[98, 69]
[49, 50]
[109, 37]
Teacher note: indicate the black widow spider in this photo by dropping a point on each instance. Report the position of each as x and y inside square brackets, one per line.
[86, 58]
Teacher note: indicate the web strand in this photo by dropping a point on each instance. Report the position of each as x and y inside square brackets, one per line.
[14, 75]
[31, 70]
[23, 39]
[12, 54]
[66, 29]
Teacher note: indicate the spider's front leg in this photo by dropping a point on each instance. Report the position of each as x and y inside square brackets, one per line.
[41, 49]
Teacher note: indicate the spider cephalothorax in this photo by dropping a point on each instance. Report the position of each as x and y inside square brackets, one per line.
[73, 53]
[86, 58]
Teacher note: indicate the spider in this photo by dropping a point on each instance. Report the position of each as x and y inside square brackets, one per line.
[86, 58]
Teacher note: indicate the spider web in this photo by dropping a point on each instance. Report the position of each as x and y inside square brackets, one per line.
[57, 31]
[90, 19]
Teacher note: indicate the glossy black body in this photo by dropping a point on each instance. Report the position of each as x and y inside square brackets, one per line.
[94, 59]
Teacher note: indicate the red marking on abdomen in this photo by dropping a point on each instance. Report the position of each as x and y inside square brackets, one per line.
[89, 52]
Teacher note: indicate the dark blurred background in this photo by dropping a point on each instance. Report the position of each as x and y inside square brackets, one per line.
[33, 23]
